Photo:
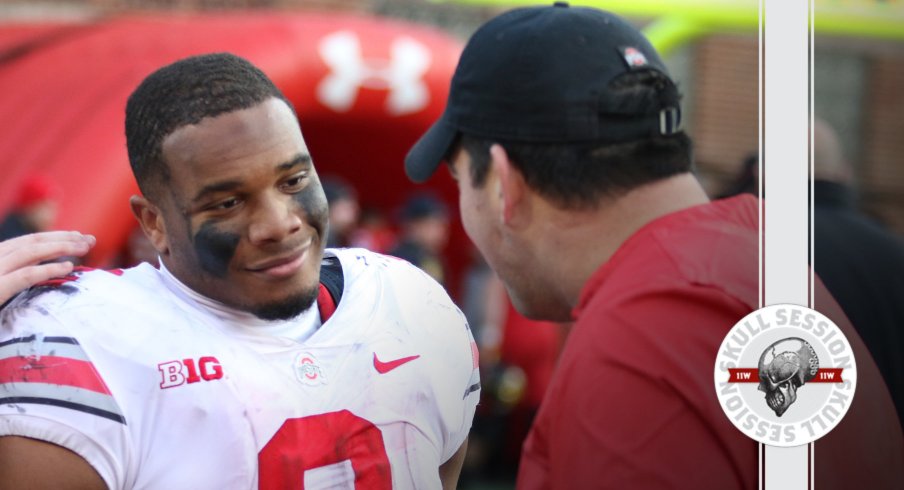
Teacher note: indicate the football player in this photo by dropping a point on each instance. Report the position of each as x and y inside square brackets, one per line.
[253, 357]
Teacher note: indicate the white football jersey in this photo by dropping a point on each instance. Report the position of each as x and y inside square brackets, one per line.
[158, 390]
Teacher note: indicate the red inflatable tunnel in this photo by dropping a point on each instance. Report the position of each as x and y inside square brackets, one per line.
[364, 89]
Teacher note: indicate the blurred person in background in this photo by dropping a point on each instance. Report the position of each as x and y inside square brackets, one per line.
[34, 209]
[562, 129]
[424, 234]
[344, 211]
[746, 180]
[860, 262]
[374, 231]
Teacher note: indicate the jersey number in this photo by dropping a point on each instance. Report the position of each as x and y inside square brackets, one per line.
[319, 440]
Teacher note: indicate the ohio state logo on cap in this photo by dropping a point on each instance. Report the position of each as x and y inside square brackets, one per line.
[785, 375]
[633, 57]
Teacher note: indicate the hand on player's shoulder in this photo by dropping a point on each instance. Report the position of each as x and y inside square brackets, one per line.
[30, 259]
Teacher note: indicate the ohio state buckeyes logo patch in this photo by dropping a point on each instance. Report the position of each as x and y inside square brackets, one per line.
[785, 375]
[633, 57]
[308, 370]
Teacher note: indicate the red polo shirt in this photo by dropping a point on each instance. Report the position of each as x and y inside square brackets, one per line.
[632, 403]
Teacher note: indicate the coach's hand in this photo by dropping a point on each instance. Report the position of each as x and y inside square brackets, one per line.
[21, 258]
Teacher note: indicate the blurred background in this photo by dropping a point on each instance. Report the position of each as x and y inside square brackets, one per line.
[366, 78]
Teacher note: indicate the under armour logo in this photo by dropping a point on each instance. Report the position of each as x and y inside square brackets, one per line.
[401, 74]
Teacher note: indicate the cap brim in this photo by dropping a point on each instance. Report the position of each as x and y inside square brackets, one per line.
[426, 155]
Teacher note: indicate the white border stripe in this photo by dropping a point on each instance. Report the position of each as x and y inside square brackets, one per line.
[785, 169]
[55, 349]
[69, 394]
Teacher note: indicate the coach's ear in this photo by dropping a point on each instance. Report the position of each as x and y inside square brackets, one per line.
[512, 188]
[151, 222]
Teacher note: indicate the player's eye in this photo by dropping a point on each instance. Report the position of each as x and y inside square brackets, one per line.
[225, 204]
[294, 183]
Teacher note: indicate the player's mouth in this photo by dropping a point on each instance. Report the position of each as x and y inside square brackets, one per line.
[283, 266]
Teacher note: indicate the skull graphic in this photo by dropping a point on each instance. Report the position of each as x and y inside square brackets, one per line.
[784, 367]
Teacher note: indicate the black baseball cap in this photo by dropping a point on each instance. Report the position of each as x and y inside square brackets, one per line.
[541, 75]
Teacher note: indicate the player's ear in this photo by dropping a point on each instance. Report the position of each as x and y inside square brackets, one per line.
[512, 188]
[151, 221]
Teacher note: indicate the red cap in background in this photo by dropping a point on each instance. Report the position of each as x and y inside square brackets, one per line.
[37, 188]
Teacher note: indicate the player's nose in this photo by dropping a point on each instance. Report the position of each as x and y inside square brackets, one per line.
[274, 219]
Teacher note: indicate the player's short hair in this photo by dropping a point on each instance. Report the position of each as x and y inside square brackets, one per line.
[580, 175]
[184, 93]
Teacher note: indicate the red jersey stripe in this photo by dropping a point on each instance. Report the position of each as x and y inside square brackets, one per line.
[52, 369]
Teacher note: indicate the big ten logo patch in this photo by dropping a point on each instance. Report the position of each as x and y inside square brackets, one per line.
[785, 375]
[188, 371]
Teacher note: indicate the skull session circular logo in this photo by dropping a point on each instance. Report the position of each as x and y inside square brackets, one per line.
[785, 375]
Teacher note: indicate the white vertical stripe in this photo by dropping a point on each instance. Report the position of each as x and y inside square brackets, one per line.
[786, 175]
[786, 155]
[760, 94]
